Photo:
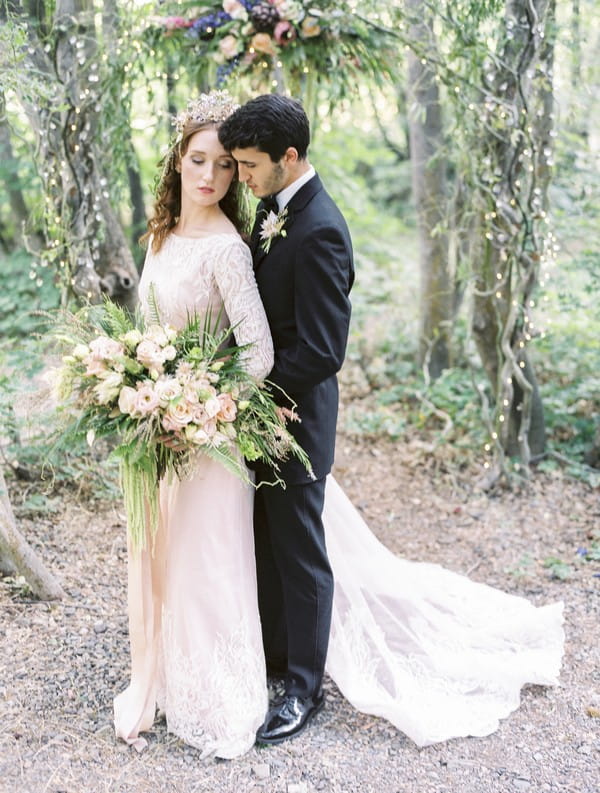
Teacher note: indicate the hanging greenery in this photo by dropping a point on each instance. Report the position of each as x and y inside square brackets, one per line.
[281, 43]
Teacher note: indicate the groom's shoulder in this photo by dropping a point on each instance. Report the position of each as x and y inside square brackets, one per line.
[323, 205]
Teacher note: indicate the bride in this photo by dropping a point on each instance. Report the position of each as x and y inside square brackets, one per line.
[436, 654]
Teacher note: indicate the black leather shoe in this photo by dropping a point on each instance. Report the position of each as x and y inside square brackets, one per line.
[289, 717]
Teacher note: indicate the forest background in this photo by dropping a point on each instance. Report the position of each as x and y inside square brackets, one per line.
[460, 140]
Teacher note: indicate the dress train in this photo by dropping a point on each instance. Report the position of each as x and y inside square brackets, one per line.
[436, 654]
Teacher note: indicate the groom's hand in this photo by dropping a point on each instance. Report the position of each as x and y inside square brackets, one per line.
[176, 444]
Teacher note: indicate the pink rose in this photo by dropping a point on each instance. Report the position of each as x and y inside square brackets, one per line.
[150, 355]
[228, 409]
[200, 415]
[173, 23]
[146, 401]
[103, 347]
[191, 393]
[229, 46]
[284, 31]
[95, 367]
[210, 427]
[177, 415]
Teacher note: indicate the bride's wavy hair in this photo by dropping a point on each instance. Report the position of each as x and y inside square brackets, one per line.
[167, 204]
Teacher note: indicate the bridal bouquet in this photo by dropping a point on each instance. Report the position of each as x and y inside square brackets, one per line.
[166, 395]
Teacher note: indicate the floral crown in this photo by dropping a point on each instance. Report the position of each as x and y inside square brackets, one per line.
[215, 106]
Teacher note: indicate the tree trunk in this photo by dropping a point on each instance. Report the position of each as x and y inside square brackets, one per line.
[17, 556]
[138, 214]
[575, 44]
[592, 455]
[111, 25]
[511, 239]
[429, 189]
[19, 210]
[84, 235]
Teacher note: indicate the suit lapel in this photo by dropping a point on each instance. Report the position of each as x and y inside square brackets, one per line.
[296, 204]
[255, 236]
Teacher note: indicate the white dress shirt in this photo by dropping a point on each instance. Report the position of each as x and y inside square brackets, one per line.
[285, 196]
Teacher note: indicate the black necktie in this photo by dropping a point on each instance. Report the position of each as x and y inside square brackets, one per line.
[269, 204]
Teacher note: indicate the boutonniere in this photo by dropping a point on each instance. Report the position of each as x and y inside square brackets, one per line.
[271, 227]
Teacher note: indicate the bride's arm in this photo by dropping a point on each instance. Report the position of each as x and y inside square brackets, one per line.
[235, 279]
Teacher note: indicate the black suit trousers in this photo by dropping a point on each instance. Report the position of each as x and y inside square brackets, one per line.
[295, 582]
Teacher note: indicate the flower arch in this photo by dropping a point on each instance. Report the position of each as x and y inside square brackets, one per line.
[284, 43]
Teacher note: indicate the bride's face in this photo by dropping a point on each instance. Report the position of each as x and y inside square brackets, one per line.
[206, 169]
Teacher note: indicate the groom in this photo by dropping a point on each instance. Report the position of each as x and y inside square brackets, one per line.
[303, 264]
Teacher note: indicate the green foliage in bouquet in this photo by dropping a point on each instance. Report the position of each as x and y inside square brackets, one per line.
[167, 395]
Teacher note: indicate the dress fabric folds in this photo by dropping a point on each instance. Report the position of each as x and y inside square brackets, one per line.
[195, 639]
[435, 653]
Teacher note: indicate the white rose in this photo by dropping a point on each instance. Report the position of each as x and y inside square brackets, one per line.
[169, 353]
[108, 388]
[212, 406]
[127, 397]
[196, 435]
[235, 9]
[166, 389]
[170, 332]
[132, 338]
[81, 351]
[156, 334]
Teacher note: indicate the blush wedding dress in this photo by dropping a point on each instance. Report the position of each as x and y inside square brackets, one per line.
[435, 653]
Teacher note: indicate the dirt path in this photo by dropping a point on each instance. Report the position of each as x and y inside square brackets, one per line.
[61, 664]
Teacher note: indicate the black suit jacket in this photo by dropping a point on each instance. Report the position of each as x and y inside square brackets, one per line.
[304, 281]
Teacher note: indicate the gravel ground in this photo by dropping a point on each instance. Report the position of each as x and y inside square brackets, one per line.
[62, 663]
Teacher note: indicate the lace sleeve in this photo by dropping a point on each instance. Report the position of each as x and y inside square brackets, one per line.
[235, 280]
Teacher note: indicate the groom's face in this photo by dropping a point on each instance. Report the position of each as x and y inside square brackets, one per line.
[263, 176]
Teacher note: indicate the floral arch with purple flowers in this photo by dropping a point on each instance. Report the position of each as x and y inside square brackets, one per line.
[284, 43]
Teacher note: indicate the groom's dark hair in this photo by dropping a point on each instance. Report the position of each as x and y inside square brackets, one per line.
[270, 123]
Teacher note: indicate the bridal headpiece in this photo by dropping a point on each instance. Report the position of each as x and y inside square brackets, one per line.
[215, 106]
